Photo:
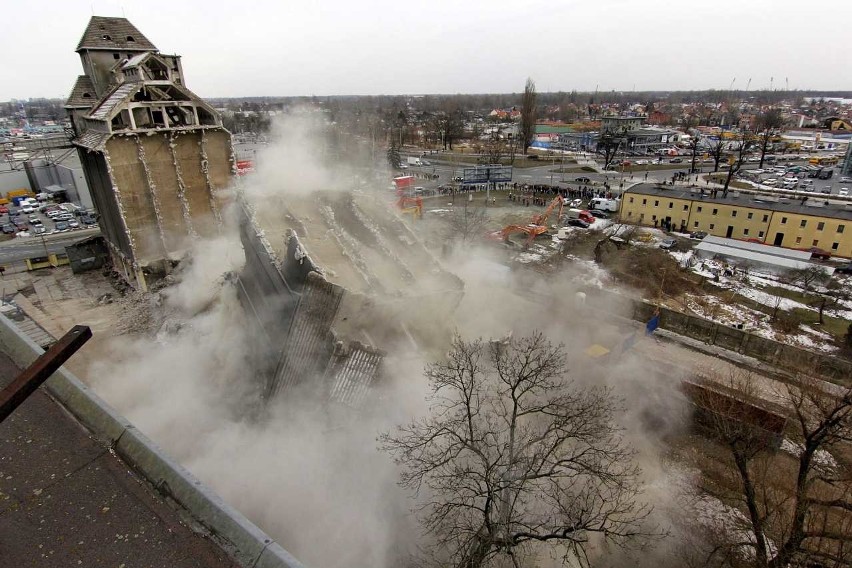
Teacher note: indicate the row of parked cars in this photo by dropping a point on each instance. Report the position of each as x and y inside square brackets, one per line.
[36, 218]
[800, 178]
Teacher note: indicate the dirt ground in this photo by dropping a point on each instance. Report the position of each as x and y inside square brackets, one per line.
[58, 300]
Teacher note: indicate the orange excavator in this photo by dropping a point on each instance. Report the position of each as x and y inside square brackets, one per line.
[536, 227]
[411, 206]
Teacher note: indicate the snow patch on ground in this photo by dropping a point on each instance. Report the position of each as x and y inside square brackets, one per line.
[724, 519]
[769, 300]
[822, 458]
[536, 253]
[589, 273]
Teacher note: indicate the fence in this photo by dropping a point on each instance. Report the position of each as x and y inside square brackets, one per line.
[838, 371]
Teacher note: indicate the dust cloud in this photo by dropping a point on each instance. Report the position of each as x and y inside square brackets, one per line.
[311, 475]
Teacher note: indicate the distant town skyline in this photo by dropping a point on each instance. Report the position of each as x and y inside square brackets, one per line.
[379, 47]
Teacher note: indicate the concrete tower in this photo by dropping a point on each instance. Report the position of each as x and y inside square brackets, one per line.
[155, 155]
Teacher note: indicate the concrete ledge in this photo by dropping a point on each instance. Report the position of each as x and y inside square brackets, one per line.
[245, 541]
[242, 539]
[274, 556]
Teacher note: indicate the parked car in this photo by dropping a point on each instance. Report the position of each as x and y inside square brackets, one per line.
[668, 244]
[38, 230]
[88, 220]
[676, 161]
[3, 209]
[845, 269]
[61, 227]
[63, 217]
[73, 224]
[697, 235]
[846, 179]
[819, 253]
[844, 191]
[578, 223]
[582, 179]
[19, 222]
[27, 209]
[9, 229]
[825, 189]
[599, 214]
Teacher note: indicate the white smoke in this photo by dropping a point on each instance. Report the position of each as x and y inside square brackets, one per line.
[313, 477]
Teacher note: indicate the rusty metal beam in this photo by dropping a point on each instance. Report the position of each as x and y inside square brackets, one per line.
[41, 369]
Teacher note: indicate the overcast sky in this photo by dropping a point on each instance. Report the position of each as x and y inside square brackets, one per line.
[313, 47]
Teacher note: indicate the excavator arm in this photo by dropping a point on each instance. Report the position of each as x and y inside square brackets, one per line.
[541, 219]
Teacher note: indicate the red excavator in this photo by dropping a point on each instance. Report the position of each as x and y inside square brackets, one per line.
[410, 206]
[537, 226]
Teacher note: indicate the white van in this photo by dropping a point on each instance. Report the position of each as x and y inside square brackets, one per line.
[602, 204]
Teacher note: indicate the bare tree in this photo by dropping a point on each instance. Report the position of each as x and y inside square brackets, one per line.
[717, 151]
[513, 455]
[769, 124]
[495, 148]
[799, 515]
[833, 297]
[450, 125]
[744, 148]
[809, 276]
[610, 143]
[466, 223]
[528, 114]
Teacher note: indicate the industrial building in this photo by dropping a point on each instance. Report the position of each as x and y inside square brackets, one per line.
[155, 156]
[635, 138]
[791, 223]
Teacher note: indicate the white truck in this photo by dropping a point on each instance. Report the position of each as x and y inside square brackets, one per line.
[602, 204]
[413, 161]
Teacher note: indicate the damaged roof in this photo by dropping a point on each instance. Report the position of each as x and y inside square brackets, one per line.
[111, 101]
[113, 33]
[82, 94]
[92, 140]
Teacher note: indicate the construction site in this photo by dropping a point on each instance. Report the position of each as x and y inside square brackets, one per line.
[280, 348]
[261, 327]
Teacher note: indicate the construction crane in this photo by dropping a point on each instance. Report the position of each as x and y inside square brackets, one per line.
[536, 227]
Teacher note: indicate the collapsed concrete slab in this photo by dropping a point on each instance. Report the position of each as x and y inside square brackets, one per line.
[333, 280]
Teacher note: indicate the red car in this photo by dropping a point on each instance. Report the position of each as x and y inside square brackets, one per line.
[819, 253]
[3, 209]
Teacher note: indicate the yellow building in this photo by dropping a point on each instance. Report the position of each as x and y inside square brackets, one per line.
[789, 223]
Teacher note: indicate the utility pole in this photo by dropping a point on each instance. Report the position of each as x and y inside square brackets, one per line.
[44, 244]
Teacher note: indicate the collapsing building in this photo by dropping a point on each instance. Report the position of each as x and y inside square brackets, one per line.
[333, 280]
[155, 156]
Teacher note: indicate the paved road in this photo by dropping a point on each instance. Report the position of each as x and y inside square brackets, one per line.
[19, 248]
